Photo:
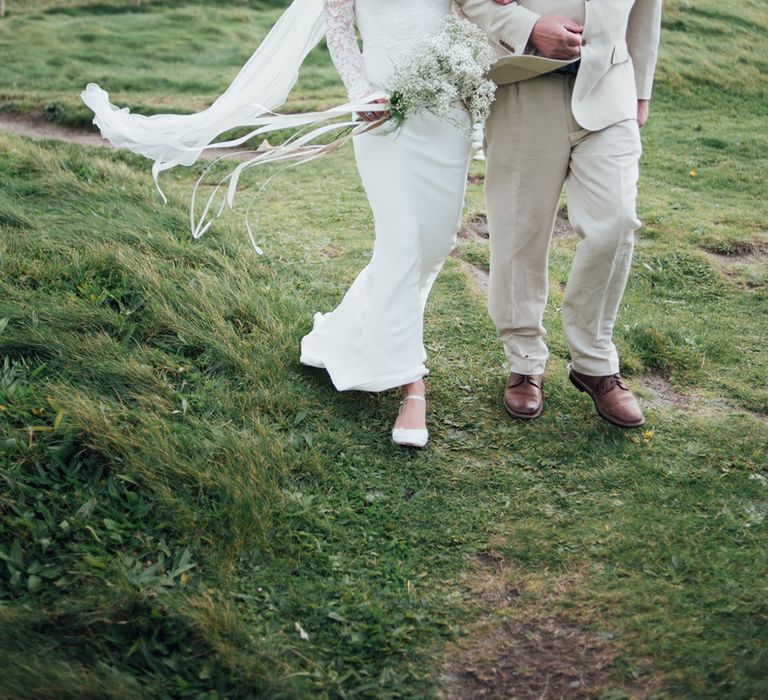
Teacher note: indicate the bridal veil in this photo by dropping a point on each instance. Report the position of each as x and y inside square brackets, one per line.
[261, 86]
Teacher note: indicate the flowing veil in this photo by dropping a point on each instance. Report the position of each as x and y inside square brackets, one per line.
[261, 86]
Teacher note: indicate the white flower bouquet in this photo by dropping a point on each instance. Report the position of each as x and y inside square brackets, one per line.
[448, 68]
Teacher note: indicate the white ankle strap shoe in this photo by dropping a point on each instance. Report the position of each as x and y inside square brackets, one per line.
[411, 437]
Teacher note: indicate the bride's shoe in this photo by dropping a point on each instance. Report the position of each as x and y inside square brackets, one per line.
[411, 437]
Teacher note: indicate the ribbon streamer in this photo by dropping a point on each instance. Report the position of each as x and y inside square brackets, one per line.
[297, 150]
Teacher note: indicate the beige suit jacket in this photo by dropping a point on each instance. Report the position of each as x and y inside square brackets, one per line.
[618, 57]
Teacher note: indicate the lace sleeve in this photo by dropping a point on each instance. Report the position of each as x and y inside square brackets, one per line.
[342, 44]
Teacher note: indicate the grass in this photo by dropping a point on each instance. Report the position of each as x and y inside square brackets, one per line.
[180, 498]
[159, 56]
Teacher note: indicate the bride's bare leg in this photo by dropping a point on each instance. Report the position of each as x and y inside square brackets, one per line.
[412, 413]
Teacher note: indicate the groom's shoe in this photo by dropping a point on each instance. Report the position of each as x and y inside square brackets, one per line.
[522, 395]
[613, 399]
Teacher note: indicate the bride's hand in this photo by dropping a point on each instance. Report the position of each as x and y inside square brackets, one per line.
[375, 116]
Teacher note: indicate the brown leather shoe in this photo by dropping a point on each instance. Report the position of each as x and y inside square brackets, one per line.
[613, 399]
[522, 395]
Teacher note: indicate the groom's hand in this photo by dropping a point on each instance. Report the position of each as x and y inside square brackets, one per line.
[557, 37]
[643, 107]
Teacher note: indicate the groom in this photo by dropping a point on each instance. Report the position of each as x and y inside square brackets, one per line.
[576, 125]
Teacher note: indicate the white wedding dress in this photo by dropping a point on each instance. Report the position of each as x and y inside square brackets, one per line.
[415, 180]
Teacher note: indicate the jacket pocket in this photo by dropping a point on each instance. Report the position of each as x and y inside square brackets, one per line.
[620, 52]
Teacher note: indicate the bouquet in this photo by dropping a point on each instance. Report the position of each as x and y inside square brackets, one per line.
[448, 68]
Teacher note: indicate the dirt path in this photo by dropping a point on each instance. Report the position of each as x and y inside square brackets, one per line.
[40, 129]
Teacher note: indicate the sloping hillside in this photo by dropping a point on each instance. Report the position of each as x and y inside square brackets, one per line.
[185, 511]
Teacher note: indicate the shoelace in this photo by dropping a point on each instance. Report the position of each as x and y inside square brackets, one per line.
[522, 379]
[607, 383]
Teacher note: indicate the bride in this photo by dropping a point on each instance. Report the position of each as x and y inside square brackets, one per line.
[414, 179]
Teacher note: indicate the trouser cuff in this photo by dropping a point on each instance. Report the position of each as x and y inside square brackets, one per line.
[596, 368]
[526, 366]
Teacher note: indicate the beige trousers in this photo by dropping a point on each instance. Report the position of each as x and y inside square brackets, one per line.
[533, 147]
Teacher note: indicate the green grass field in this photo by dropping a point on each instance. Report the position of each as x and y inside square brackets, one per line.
[181, 502]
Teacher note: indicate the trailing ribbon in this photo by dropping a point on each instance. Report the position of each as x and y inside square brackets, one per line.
[298, 149]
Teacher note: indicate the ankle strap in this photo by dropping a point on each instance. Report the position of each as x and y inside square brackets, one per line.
[414, 397]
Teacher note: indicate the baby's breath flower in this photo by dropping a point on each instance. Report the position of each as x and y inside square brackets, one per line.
[448, 68]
